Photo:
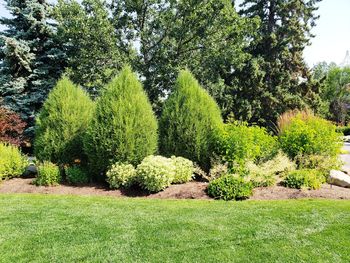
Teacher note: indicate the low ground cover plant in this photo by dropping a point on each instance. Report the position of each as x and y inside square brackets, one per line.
[48, 174]
[12, 162]
[305, 178]
[76, 175]
[230, 187]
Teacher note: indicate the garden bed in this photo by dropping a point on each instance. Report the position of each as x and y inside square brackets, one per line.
[191, 190]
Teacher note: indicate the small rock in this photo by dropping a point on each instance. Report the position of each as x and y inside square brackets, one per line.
[339, 178]
[31, 171]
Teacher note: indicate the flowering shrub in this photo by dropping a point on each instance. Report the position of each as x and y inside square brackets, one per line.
[121, 175]
[11, 127]
[184, 170]
[12, 162]
[48, 174]
[230, 187]
[76, 175]
[156, 173]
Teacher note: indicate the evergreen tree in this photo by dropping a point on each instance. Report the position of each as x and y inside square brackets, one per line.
[280, 79]
[94, 51]
[31, 59]
[61, 124]
[190, 122]
[124, 127]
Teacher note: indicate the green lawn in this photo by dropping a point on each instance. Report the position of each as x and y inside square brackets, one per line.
[47, 228]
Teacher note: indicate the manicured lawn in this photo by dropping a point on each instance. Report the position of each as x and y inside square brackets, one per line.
[47, 228]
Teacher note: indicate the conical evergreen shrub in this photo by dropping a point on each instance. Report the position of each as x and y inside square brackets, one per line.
[124, 127]
[61, 124]
[190, 122]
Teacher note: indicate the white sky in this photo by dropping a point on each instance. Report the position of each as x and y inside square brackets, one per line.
[332, 32]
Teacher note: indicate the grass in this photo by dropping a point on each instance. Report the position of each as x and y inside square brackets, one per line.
[48, 228]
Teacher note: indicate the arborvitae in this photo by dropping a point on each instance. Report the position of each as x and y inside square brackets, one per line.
[30, 58]
[124, 127]
[61, 124]
[189, 122]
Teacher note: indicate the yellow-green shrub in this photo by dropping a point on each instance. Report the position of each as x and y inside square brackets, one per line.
[48, 174]
[184, 170]
[12, 162]
[121, 175]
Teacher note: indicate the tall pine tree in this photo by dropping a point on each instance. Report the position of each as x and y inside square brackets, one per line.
[277, 78]
[30, 58]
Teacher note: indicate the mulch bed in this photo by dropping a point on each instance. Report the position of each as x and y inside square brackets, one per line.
[191, 190]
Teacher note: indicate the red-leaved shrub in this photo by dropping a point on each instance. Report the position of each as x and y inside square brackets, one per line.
[11, 127]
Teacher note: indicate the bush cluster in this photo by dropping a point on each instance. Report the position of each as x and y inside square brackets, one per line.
[230, 187]
[76, 175]
[48, 174]
[306, 178]
[309, 136]
[184, 170]
[12, 162]
[190, 122]
[239, 143]
[344, 130]
[121, 175]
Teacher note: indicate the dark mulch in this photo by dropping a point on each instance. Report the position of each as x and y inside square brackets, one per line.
[191, 190]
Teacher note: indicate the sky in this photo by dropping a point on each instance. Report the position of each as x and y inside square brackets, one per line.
[332, 33]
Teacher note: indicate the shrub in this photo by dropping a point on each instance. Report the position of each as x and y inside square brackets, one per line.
[155, 173]
[310, 136]
[61, 123]
[76, 175]
[184, 170]
[344, 130]
[121, 175]
[239, 143]
[266, 174]
[48, 174]
[286, 118]
[324, 164]
[190, 121]
[217, 170]
[12, 162]
[230, 187]
[124, 127]
[11, 127]
[308, 178]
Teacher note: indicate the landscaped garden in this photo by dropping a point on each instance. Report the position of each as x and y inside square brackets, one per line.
[111, 112]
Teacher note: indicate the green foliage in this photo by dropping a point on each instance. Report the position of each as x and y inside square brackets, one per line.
[190, 121]
[156, 173]
[184, 170]
[239, 143]
[306, 178]
[121, 175]
[92, 46]
[266, 174]
[12, 162]
[61, 124]
[124, 127]
[344, 130]
[76, 175]
[310, 136]
[321, 163]
[48, 174]
[31, 58]
[230, 187]
[208, 37]
[269, 84]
